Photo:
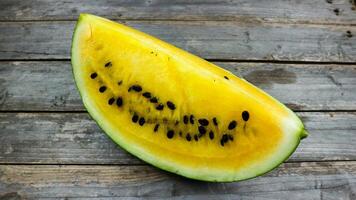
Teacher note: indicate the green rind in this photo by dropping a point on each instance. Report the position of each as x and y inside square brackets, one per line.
[304, 134]
[299, 134]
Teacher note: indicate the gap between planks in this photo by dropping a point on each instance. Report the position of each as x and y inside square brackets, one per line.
[147, 164]
[85, 112]
[237, 21]
[293, 62]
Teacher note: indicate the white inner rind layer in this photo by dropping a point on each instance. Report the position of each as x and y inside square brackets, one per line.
[292, 126]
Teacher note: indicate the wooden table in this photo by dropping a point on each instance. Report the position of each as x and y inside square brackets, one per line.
[302, 52]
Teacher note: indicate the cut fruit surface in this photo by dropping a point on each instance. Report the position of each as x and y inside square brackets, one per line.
[175, 110]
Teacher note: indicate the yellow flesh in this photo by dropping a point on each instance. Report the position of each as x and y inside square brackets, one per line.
[196, 87]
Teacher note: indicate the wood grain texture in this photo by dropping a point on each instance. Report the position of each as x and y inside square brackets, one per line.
[293, 181]
[254, 11]
[74, 138]
[64, 154]
[49, 86]
[210, 40]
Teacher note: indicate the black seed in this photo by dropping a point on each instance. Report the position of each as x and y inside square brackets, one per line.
[222, 142]
[203, 122]
[170, 134]
[177, 122]
[134, 118]
[136, 88]
[245, 115]
[215, 121]
[146, 94]
[202, 130]
[102, 89]
[191, 119]
[188, 137]
[160, 107]
[141, 121]
[196, 137]
[231, 137]
[185, 119]
[153, 100]
[225, 138]
[211, 135]
[119, 83]
[171, 105]
[156, 128]
[108, 64]
[111, 101]
[180, 133]
[227, 78]
[119, 101]
[232, 125]
[93, 75]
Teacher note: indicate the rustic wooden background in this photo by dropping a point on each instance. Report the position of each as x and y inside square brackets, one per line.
[303, 52]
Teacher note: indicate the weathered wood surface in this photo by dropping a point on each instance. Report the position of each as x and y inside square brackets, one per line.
[311, 180]
[209, 39]
[74, 138]
[253, 11]
[49, 86]
[64, 155]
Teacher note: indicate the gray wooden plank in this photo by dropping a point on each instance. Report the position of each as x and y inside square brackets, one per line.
[312, 11]
[312, 180]
[74, 138]
[210, 40]
[49, 86]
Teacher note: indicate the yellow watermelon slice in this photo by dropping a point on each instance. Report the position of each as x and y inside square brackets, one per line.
[175, 110]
